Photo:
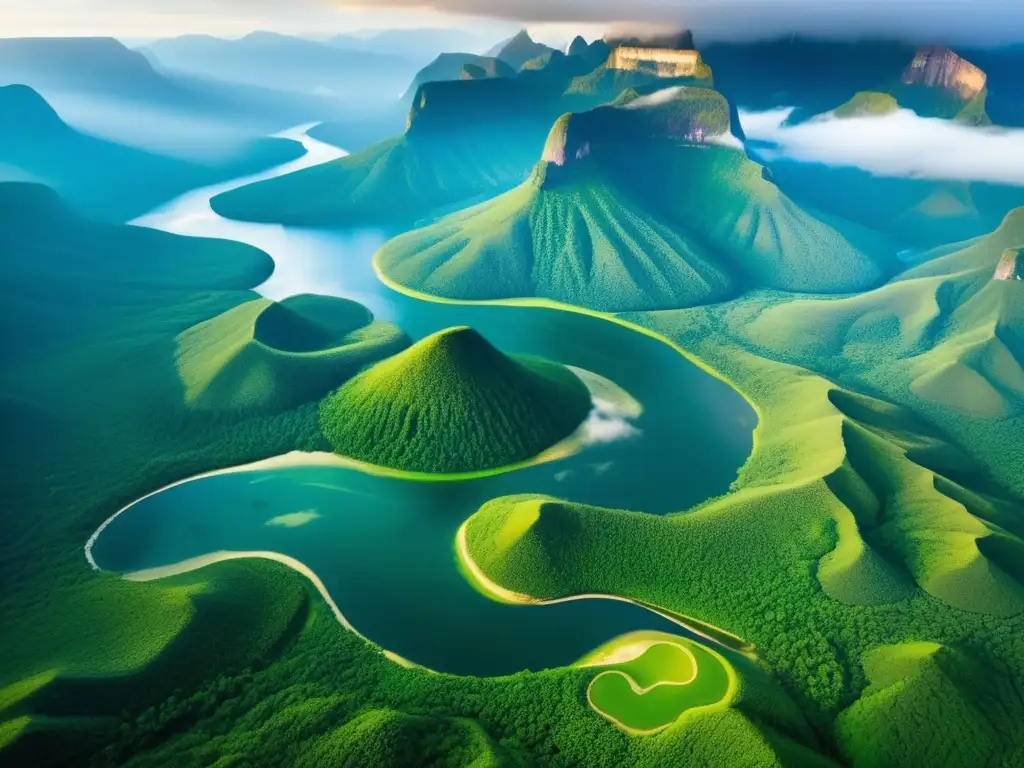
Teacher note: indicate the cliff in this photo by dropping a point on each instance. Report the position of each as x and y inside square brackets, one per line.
[675, 115]
[1011, 265]
[663, 62]
[936, 66]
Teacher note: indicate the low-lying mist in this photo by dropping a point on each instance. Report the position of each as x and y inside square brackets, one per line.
[900, 144]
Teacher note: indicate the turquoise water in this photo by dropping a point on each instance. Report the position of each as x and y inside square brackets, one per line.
[383, 546]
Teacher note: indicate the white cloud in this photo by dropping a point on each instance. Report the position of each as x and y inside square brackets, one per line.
[901, 144]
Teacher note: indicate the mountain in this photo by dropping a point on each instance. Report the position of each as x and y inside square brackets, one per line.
[809, 74]
[466, 140]
[81, 64]
[937, 83]
[451, 66]
[65, 276]
[103, 179]
[286, 63]
[266, 357]
[647, 204]
[100, 86]
[453, 403]
[521, 49]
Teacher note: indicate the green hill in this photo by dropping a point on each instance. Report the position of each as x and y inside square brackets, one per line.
[929, 704]
[868, 103]
[453, 403]
[65, 276]
[601, 222]
[263, 356]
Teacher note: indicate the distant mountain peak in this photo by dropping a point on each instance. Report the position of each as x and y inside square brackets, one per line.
[521, 49]
[1011, 265]
[578, 47]
[938, 66]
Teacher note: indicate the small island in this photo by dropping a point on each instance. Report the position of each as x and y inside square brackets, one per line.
[452, 403]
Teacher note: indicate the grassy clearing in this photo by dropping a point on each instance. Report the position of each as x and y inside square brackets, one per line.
[646, 684]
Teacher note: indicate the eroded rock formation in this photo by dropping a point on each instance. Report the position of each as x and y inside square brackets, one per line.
[938, 66]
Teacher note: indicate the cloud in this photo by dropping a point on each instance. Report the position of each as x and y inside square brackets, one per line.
[949, 21]
[900, 144]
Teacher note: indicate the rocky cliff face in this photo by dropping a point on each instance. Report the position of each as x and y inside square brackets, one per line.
[1011, 265]
[664, 62]
[936, 66]
[677, 115]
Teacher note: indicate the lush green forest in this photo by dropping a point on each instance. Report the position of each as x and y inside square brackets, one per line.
[856, 597]
[453, 403]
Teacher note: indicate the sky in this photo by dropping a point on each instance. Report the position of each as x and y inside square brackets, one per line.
[947, 21]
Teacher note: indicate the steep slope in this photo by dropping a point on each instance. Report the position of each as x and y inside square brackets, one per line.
[648, 64]
[267, 357]
[100, 178]
[396, 181]
[521, 49]
[936, 83]
[453, 403]
[65, 276]
[450, 66]
[813, 75]
[465, 140]
[602, 223]
[894, 721]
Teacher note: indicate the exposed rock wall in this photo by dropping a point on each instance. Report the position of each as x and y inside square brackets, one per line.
[939, 66]
[1011, 265]
[662, 61]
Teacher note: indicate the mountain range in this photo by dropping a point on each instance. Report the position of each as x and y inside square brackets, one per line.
[104, 179]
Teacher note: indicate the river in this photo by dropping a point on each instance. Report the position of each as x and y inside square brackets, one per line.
[383, 547]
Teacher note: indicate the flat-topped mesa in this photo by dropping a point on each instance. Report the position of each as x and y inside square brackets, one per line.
[1011, 265]
[938, 66]
[677, 115]
[663, 62]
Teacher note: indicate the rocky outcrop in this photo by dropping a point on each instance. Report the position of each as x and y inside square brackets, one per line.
[678, 115]
[1011, 265]
[663, 62]
[937, 66]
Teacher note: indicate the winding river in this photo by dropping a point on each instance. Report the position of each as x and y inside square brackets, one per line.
[383, 547]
